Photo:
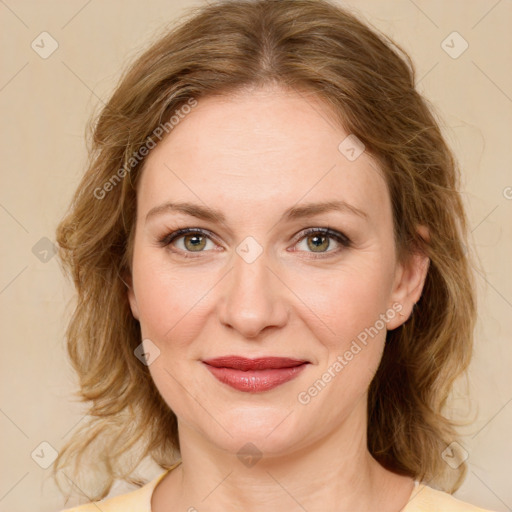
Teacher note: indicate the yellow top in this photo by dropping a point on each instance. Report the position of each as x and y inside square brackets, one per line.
[423, 499]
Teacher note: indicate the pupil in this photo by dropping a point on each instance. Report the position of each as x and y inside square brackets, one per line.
[194, 241]
[318, 241]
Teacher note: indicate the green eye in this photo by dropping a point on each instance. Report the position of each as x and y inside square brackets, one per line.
[195, 240]
[318, 240]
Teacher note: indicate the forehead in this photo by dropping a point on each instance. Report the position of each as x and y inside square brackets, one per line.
[258, 150]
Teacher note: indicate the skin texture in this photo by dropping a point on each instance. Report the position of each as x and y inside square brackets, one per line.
[252, 156]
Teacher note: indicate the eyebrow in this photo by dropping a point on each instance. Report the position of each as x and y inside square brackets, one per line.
[293, 213]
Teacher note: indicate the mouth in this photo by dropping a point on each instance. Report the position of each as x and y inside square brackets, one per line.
[254, 375]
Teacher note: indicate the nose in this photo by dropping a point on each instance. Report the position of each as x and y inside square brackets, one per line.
[253, 298]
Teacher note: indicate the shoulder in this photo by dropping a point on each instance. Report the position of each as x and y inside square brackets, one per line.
[428, 499]
[138, 500]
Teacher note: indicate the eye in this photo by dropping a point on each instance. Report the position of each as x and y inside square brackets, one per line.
[195, 240]
[318, 240]
[188, 240]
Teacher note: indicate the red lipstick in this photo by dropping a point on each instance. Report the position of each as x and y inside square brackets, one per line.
[254, 375]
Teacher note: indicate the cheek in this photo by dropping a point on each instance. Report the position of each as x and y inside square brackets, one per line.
[345, 301]
[349, 327]
[348, 304]
[169, 300]
[171, 307]
[335, 304]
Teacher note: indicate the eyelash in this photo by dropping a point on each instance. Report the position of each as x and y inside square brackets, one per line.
[336, 235]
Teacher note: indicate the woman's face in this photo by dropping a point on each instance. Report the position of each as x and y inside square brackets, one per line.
[256, 284]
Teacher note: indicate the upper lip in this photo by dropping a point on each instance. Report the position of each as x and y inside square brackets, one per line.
[261, 363]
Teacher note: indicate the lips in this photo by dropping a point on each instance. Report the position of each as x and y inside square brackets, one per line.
[262, 363]
[254, 375]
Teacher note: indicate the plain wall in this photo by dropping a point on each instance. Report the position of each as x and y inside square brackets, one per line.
[46, 103]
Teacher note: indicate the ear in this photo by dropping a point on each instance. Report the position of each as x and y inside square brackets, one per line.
[409, 281]
[131, 296]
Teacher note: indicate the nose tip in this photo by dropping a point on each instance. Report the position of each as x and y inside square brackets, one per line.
[253, 298]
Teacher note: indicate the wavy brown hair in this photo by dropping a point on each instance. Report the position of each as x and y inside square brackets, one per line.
[369, 84]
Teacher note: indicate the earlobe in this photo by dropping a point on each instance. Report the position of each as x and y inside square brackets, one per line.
[410, 284]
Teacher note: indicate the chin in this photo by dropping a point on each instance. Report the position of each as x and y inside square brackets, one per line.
[269, 430]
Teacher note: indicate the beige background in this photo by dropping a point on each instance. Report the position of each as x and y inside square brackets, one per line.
[46, 104]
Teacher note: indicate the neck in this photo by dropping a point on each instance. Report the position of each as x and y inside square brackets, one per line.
[330, 473]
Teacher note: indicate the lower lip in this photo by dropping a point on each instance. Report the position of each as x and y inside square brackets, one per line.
[253, 381]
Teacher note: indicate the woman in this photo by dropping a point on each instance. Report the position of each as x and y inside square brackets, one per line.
[273, 294]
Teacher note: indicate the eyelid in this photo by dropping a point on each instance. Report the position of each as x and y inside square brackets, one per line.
[175, 234]
[332, 233]
[338, 236]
